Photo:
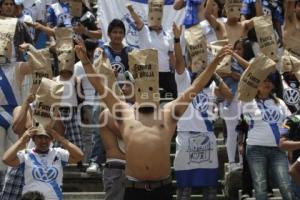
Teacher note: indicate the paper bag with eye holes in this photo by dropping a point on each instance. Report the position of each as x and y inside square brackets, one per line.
[233, 8]
[40, 61]
[48, 97]
[155, 12]
[257, 72]
[225, 64]
[265, 34]
[197, 47]
[7, 33]
[65, 49]
[143, 65]
[104, 68]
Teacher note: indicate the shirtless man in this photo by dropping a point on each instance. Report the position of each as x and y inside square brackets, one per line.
[147, 135]
[114, 170]
[292, 20]
[233, 29]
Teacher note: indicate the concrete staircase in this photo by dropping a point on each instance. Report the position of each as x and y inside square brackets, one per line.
[79, 185]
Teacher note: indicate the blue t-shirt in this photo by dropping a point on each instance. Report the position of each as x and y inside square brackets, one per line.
[273, 8]
[63, 19]
[191, 12]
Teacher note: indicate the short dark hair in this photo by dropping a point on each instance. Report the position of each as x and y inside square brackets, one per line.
[2, 1]
[33, 195]
[116, 23]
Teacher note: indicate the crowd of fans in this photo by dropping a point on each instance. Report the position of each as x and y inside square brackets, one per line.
[134, 148]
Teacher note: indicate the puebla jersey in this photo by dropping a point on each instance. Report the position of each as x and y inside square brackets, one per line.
[265, 119]
[196, 160]
[199, 114]
[291, 93]
[44, 172]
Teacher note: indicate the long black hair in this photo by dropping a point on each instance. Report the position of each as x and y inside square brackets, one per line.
[248, 53]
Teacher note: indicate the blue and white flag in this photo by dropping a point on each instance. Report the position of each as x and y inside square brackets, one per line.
[109, 10]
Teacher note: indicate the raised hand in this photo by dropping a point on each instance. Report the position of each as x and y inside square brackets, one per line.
[226, 50]
[81, 53]
[130, 8]
[29, 133]
[177, 30]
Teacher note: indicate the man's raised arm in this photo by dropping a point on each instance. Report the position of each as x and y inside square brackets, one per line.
[109, 97]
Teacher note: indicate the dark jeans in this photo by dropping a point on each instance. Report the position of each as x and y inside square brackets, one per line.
[161, 193]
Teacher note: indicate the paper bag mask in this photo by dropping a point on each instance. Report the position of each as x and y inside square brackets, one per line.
[197, 47]
[155, 12]
[103, 67]
[65, 48]
[265, 36]
[233, 8]
[257, 72]
[143, 65]
[7, 33]
[76, 8]
[48, 95]
[286, 63]
[296, 66]
[41, 65]
[293, 45]
[225, 64]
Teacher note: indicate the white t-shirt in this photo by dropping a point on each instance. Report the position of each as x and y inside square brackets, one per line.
[88, 89]
[44, 172]
[199, 114]
[162, 42]
[265, 119]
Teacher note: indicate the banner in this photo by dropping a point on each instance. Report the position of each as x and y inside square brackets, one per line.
[111, 9]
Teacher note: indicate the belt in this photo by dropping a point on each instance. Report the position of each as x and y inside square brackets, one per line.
[148, 185]
[114, 165]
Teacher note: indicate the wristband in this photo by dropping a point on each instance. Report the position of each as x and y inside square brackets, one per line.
[176, 40]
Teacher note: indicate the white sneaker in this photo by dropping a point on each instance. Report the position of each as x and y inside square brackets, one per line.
[93, 168]
[234, 167]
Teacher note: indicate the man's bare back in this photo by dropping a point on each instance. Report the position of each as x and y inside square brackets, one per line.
[292, 21]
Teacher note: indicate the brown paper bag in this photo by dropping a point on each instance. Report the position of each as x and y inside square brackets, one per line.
[266, 36]
[286, 63]
[257, 72]
[233, 8]
[292, 45]
[7, 33]
[225, 64]
[65, 49]
[155, 12]
[143, 65]
[41, 65]
[197, 47]
[48, 96]
[103, 67]
[295, 65]
[76, 8]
